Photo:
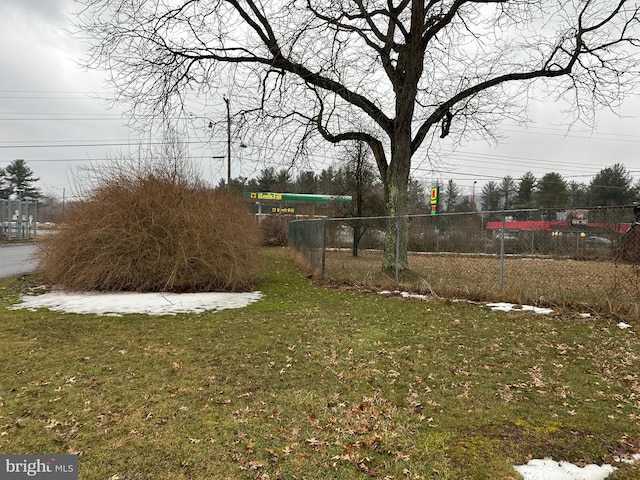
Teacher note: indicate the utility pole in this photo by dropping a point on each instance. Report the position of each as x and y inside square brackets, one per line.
[226, 100]
[473, 197]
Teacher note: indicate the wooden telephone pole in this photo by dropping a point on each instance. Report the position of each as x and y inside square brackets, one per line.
[226, 100]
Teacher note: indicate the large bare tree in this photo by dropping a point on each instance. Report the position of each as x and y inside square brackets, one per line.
[394, 74]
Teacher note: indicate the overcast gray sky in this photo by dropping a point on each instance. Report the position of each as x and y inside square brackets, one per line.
[52, 116]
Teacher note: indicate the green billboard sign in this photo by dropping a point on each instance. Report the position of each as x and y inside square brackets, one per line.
[297, 197]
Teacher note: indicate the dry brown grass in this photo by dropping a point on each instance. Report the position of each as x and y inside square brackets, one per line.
[598, 286]
[154, 229]
[301, 259]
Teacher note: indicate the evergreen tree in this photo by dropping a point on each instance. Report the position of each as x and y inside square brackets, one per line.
[238, 184]
[5, 187]
[508, 191]
[266, 182]
[464, 205]
[490, 198]
[306, 182]
[526, 189]
[612, 186]
[252, 185]
[417, 197]
[451, 194]
[283, 181]
[578, 194]
[552, 191]
[20, 179]
[327, 181]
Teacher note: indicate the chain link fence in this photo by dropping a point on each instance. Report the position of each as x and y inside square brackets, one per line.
[586, 258]
[17, 219]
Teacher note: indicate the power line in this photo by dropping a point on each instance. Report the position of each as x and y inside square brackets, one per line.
[53, 119]
[107, 143]
[53, 91]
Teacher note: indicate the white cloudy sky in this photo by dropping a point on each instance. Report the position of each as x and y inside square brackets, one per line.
[52, 116]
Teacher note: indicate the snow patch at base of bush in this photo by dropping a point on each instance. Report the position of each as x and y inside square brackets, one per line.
[119, 303]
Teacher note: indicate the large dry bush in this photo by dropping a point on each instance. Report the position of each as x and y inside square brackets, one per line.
[156, 229]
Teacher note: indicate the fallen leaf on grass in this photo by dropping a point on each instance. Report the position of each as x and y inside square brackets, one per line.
[314, 442]
[51, 424]
[253, 465]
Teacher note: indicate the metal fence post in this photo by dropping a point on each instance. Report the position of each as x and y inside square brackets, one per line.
[23, 232]
[35, 219]
[324, 246]
[3, 230]
[532, 242]
[502, 252]
[10, 224]
[397, 261]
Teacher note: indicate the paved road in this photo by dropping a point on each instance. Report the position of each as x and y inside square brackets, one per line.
[16, 259]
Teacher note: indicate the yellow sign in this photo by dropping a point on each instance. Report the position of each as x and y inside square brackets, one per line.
[283, 210]
[434, 200]
[269, 196]
[434, 196]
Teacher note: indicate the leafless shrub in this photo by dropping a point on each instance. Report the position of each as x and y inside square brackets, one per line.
[274, 230]
[154, 228]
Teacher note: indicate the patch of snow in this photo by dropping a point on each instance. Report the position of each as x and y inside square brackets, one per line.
[549, 469]
[540, 310]
[510, 307]
[624, 325]
[585, 315]
[117, 304]
[630, 459]
[403, 294]
[502, 306]
[413, 295]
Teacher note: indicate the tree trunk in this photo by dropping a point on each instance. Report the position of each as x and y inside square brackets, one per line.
[396, 185]
[358, 231]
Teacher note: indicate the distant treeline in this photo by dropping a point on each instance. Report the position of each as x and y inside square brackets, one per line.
[612, 185]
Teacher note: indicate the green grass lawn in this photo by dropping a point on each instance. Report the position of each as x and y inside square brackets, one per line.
[313, 382]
